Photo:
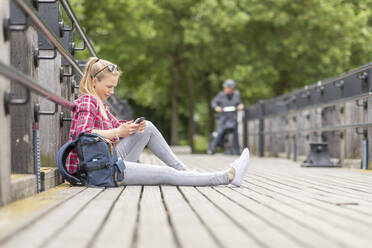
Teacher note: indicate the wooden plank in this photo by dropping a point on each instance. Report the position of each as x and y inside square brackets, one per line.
[327, 194]
[82, 228]
[22, 186]
[50, 177]
[45, 228]
[296, 182]
[23, 213]
[119, 228]
[336, 177]
[331, 232]
[318, 181]
[335, 215]
[190, 230]
[153, 229]
[325, 202]
[330, 180]
[220, 225]
[22, 46]
[320, 194]
[267, 234]
[355, 180]
[67, 93]
[280, 165]
[300, 231]
[49, 77]
[279, 204]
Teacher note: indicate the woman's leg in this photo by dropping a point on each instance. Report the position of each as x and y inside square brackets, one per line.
[131, 147]
[145, 174]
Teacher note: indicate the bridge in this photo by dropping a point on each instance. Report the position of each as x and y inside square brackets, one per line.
[283, 202]
[279, 204]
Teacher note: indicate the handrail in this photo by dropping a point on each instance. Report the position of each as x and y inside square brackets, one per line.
[34, 16]
[341, 76]
[312, 130]
[66, 5]
[326, 81]
[352, 85]
[13, 74]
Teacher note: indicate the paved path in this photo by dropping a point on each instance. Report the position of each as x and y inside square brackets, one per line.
[278, 205]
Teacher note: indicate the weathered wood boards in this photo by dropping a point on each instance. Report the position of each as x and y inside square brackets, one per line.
[24, 213]
[5, 153]
[279, 204]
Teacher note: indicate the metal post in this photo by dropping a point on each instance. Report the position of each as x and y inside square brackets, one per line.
[245, 128]
[343, 137]
[294, 143]
[261, 129]
[36, 140]
[365, 150]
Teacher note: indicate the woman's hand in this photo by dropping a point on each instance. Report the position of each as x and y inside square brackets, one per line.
[130, 128]
[127, 129]
[142, 126]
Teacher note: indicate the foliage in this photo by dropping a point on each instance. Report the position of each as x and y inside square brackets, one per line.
[268, 47]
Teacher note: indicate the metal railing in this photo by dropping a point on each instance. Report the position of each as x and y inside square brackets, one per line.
[352, 85]
[32, 85]
[13, 74]
[355, 85]
[44, 28]
[64, 47]
[71, 14]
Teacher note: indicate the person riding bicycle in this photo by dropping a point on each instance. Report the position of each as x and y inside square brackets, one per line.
[228, 97]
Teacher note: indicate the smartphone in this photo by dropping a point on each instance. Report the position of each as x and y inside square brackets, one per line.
[139, 120]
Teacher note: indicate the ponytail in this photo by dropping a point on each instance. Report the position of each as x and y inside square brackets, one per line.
[86, 83]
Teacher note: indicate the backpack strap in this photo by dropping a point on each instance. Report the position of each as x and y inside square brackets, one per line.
[78, 147]
[97, 167]
[61, 162]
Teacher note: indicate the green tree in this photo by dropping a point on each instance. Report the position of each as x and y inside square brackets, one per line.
[175, 54]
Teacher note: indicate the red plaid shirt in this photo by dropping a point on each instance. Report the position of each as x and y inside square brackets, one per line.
[85, 118]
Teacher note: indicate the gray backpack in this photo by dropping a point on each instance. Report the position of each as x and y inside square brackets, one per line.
[98, 166]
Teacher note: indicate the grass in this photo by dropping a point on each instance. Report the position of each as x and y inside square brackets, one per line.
[200, 143]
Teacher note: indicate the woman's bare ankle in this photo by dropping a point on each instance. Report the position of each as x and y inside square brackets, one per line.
[231, 173]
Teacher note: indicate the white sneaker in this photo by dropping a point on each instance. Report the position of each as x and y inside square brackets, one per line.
[240, 165]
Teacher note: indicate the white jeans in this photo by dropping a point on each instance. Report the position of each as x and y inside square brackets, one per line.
[130, 148]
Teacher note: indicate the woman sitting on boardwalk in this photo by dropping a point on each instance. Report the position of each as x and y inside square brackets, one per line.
[92, 115]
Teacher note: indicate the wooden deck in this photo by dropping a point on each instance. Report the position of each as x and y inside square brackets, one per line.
[279, 205]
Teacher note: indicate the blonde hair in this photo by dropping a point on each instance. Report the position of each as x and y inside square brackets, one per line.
[95, 65]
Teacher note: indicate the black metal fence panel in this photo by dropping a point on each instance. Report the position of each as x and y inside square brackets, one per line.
[51, 14]
[351, 85]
